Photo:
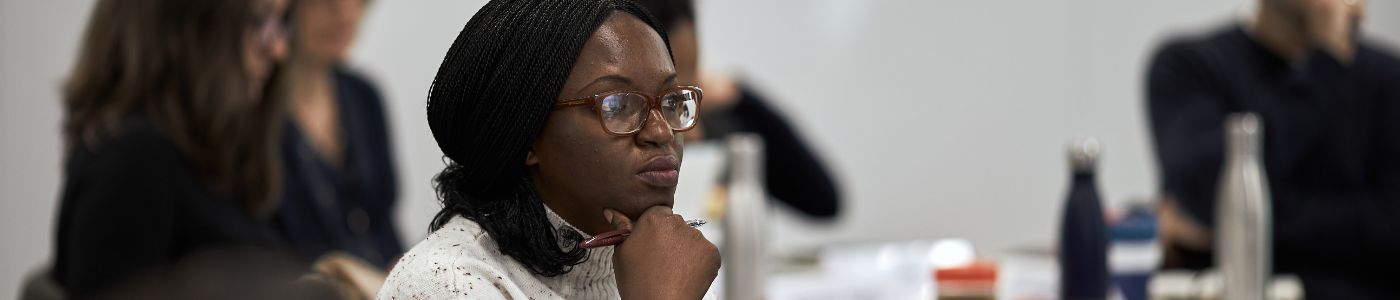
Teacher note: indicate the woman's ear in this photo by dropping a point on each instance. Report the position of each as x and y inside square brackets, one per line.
[530, 159]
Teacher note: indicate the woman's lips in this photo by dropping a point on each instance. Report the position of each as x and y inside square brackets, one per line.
[667, 178]
[662, 171]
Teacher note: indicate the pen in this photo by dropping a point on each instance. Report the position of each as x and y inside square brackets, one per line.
[615, 237]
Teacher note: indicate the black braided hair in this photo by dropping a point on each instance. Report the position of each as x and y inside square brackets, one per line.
[489, 102]
[670, 12]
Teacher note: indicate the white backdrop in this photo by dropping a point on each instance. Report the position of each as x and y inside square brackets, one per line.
[941, 118]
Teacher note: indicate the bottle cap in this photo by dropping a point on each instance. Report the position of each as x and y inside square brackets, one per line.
[1084, 153]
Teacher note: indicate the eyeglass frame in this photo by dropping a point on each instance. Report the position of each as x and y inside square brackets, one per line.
[653, 103]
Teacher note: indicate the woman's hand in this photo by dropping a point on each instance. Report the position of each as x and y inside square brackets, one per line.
[663, 258]
[354, 278]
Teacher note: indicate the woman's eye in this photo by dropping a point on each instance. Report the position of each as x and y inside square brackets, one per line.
[669, 102]
[612, 106]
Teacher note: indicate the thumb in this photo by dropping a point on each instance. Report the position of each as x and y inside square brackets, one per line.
[617, 219]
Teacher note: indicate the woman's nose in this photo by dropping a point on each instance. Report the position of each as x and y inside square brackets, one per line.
[277, 49]
[655, 131]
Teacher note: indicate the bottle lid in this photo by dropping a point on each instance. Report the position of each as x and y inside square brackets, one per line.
[1133, 228]
[1084, 153]
[1244, 123]
[1138, 223]
[1244, 132]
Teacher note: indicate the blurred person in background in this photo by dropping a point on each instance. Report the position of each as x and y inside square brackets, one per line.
[171, 176]
[1331, 111]
[562, 121]
[339, 187]
[169, 124]
[795, 175]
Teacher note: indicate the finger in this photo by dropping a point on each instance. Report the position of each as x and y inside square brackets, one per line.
[617, 219]
[658, 210]
[659, 215]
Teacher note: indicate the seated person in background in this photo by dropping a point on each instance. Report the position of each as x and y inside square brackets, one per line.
[1331, 110]
[338, 189]
[168, 124]
[562, 120]
[795, 175]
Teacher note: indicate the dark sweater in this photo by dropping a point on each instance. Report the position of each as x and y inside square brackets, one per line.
[794, 174]
[1331, 152]
[347, 208]
[132, 205]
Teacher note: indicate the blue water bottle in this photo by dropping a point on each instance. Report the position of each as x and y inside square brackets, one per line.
[1083, 252]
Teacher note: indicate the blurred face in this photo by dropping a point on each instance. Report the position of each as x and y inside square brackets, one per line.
[1298, 10]
[578, 166]
[265, 44]
[686, 51]
[326, 28]
[1291, 8]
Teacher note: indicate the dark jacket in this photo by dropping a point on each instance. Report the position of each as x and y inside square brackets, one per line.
[1331, 151]
[794, 173]
[347, 208]
[132, 205]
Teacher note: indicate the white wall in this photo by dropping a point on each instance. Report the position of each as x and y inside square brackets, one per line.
[38, 40]
[942, 118]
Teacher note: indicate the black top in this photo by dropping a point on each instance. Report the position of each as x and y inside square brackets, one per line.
[794, 174]
[350, 207]
[132, 204]
[1331, 152]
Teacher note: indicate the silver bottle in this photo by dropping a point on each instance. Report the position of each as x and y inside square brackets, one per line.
[745, 220]
[1243, 241]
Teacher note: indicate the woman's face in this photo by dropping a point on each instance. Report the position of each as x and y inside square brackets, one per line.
[326, 28]
[264, 44]
[579, 168]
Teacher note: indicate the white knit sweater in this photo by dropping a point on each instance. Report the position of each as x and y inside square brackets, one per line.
[461, 261]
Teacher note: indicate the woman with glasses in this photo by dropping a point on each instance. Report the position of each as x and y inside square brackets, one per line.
[170, 122]
[562, 122]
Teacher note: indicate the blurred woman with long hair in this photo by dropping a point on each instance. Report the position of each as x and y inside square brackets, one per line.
[170, 125]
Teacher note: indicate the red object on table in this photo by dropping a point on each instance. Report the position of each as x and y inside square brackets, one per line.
[972, 281]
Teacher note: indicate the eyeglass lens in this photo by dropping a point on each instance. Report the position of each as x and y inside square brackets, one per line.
[624, 112]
